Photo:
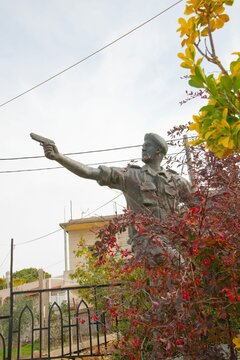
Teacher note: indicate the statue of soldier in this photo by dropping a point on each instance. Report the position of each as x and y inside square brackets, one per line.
[149, 189]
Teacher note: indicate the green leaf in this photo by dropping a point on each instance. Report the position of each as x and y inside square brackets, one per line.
[226, 82]
[211, 84]
[200, 73]
[208, 108]
[196, 82]
[229, 2]
[222, 101]
[236, 85]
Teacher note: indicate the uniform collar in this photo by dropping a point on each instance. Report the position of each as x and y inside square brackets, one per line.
[150, 171]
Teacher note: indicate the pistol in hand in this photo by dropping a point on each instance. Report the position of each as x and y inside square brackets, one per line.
[42, 140]
[50, 149]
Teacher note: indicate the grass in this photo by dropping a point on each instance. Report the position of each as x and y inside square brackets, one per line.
[26, 350]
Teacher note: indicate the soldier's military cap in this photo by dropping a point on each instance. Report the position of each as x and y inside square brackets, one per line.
[158, 140]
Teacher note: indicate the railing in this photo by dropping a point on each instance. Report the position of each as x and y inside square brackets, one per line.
[4, 324]
[76, 328]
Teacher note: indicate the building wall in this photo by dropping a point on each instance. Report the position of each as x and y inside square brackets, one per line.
[47, 283]
[86, 230]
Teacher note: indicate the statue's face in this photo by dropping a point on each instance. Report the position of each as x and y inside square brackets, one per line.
[149, 151]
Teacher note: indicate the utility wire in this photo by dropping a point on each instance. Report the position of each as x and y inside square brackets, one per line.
[38, 238]
[5, 259]
[55, 231]
[52, 265]
[90, 151]
[61, 167]
[72, 153]
[100, 207]
[90, 55]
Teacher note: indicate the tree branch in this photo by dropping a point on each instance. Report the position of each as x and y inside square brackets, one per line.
[213, 54]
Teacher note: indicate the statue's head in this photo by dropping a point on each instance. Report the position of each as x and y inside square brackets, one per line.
[154, 146]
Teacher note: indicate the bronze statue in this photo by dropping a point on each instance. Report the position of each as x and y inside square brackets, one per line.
[150, 188]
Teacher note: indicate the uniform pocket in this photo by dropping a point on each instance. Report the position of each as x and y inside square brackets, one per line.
[170, 191]
[149, 193]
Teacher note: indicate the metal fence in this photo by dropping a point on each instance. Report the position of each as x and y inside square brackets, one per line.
[74, 328]
[64, 323]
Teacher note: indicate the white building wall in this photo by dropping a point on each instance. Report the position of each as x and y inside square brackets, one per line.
[90, 237]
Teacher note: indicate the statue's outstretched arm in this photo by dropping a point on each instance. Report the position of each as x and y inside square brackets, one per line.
[52, 153]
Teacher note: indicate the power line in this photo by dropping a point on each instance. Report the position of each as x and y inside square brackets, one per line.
[52, 265]
[5, 259]
[169, 141]
[100, 207]
[55, 231]
[90, 55]
[87, 215]
[71, 153]
[61, 167]
[38, 238]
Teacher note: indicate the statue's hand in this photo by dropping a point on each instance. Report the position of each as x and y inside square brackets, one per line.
[51, 151]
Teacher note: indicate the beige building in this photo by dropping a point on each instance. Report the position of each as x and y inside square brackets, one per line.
[75, 230]
[53, 283]
[86, 229]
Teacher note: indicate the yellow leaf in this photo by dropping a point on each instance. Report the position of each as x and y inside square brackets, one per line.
[189, 10]
[236, 70]
[196, 118]
[194, 126]
[224, 140]
[209, 134]
[183, 42]
[184, 26]
[231, 144]
[225, 113]
[213, 24]
[236, 53]
[204, 32]
[225, 124]
[225, 153]
[195, 142]
[199, 61]
[219, 23]
[181, 56]
[236, 342]
[220, 10]
[189, 50]
[224, 17]
[186, 64]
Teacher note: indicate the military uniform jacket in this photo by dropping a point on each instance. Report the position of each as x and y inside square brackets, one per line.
[155, 193]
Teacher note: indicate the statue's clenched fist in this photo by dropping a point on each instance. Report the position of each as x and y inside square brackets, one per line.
[51, 151]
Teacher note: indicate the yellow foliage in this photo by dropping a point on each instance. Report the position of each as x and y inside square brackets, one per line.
[209, 134]
[189, 10]
[218, 126]
[194, 126]
[236, 342]
[236, 69]
[224, 140]
[224, 17]
[219, 23]
[204, 32]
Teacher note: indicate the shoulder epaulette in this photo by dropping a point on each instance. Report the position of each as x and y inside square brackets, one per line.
[133, 166]
[172, 171]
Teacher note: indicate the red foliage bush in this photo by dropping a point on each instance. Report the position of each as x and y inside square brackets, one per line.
[189, 302]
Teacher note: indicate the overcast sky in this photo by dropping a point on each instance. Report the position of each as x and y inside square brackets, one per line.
[110, 100]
